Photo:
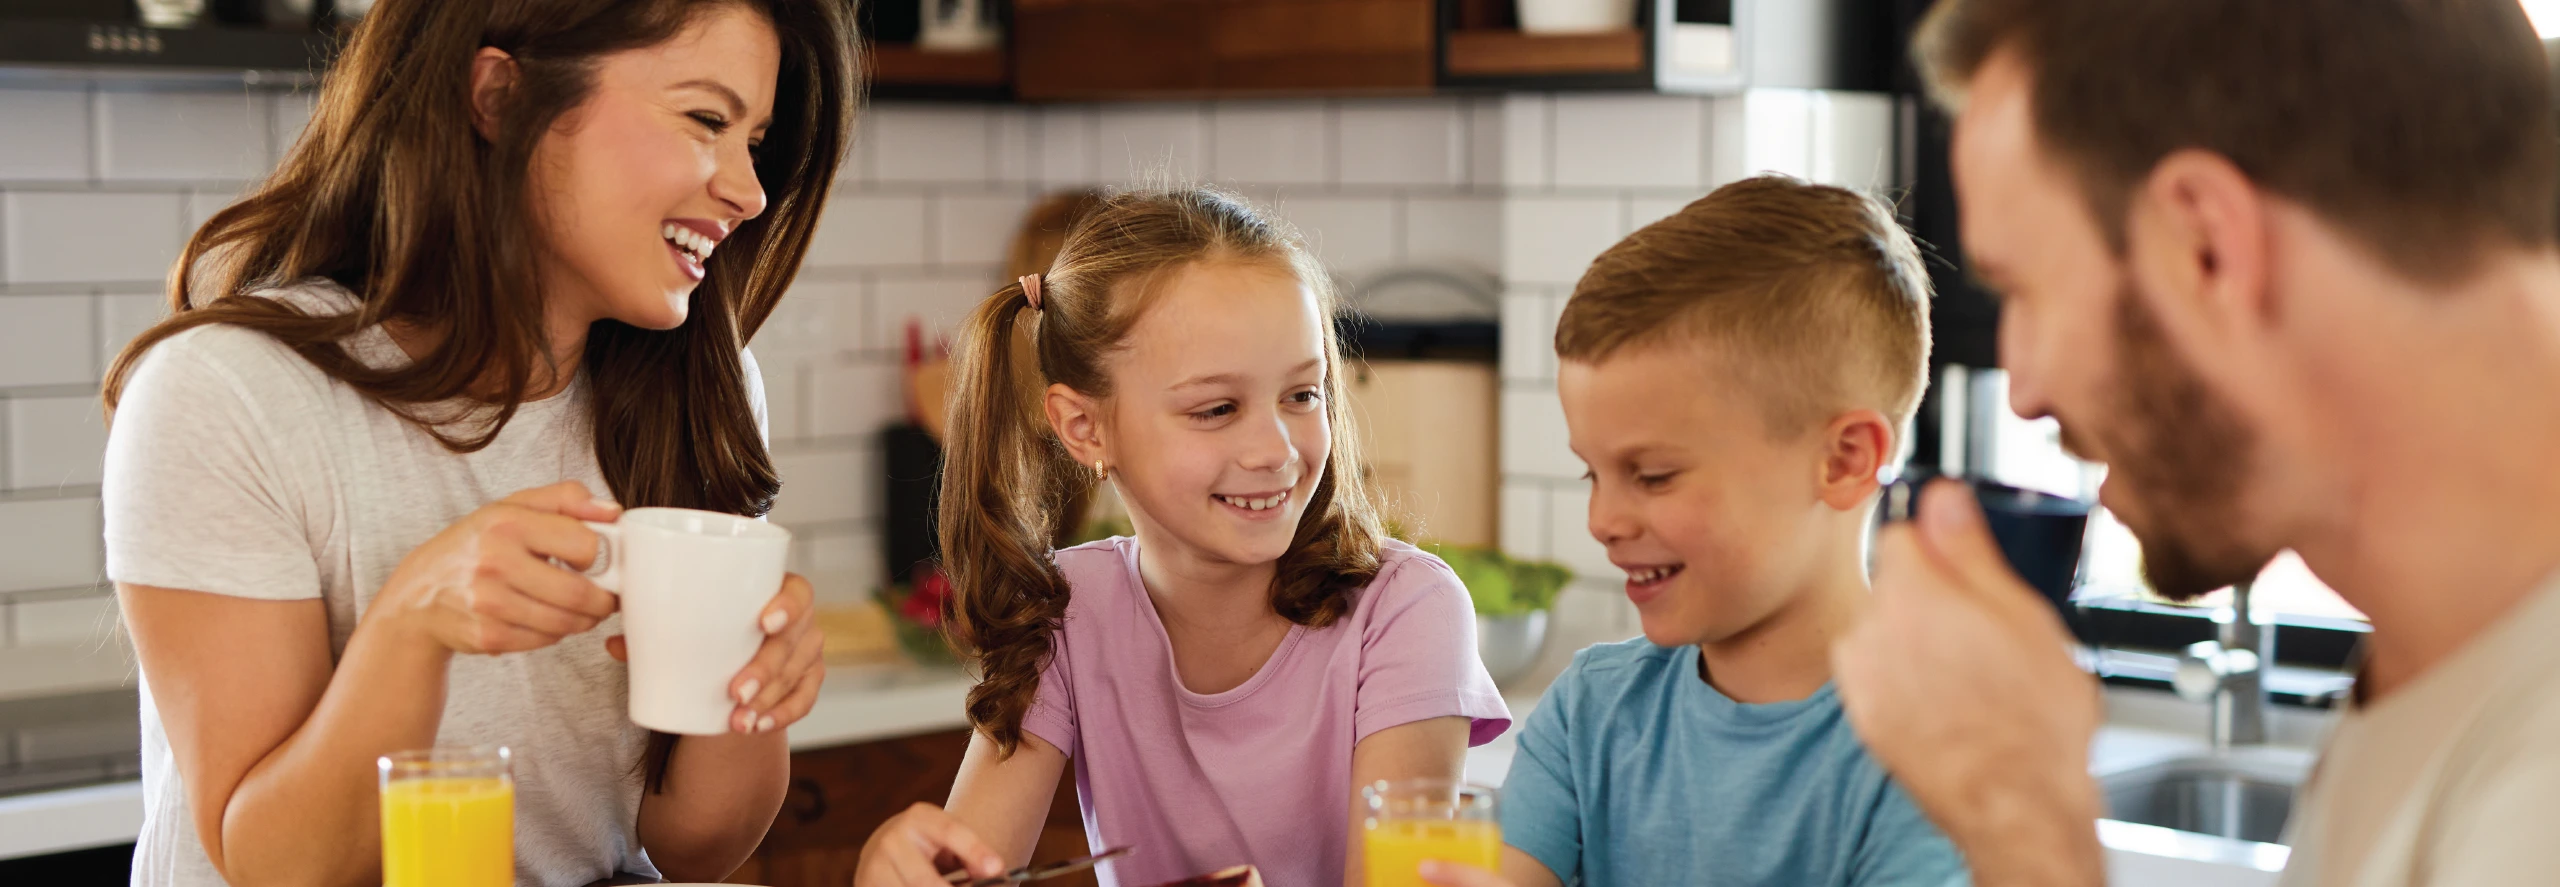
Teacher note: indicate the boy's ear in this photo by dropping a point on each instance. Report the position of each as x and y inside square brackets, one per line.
[1855, 446]
[1077, 421]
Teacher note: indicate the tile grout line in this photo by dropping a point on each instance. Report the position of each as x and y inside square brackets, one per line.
[7, 442]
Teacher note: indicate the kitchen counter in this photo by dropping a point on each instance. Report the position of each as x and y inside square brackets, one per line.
[858, 704]
[865, 703]
[868, 703]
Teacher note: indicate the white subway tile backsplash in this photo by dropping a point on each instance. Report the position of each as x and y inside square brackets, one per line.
[1528, 336]
[1408, 142]
[122, 317]
[55, 442]
[1552, 239]
[50, 543]
[1065, 145]
[58, 237]
[1461, 230]
[44, 340]
[855, 398]
[929, 143]
[817, 318]
[1484, 140]
[202, 203]
[938, 302]
[826, 485]
[65, 622]
[786, 401]
[977, 229]
[1630, 141]
[291, 116]
[844, 566]
[192, 135]
[869, 230]
[1271, 143]
[1535, 442]
[1642, 211]
[1569, 534]
[47, 137]
[1528, 134]
[1144, 143]
[1524, 518]
[1763, 130]
[1853, 141]
[1010, 145]
[1352, 235]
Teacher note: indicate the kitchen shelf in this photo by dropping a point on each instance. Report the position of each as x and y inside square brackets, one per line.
[903, 71]
[907, 65]
[1505, 53]
[91, 48]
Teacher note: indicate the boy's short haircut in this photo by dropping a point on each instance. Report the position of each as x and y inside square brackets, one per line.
[1810, 296]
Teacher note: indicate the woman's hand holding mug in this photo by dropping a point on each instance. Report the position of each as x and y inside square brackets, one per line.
[491, 582]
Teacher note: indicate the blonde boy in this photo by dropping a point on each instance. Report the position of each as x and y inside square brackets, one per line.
[1734, 376]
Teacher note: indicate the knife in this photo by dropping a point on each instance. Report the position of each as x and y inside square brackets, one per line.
[1039, 872]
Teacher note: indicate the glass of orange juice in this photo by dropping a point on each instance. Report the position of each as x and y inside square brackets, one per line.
[448, 818]
[1411, 820]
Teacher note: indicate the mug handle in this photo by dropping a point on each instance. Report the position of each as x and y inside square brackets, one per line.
[606, 571]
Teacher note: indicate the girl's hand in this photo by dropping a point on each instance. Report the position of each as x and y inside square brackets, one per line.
[912, 848]
[779, 685]
[489, 583]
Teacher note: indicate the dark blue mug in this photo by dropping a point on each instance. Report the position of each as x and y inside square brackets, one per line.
[2039, 533]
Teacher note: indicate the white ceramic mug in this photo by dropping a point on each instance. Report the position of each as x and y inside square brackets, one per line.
[692, 585]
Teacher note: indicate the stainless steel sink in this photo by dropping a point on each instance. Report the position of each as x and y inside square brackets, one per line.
[2232, 796]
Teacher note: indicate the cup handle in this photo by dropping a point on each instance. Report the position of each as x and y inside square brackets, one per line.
[606, 571]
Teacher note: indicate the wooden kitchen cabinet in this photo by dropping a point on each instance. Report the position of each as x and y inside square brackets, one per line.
[1107, 49]
[1482, 46]
[840, 795]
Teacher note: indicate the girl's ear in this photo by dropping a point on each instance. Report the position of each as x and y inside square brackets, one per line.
[1077, 420]
[493, 71]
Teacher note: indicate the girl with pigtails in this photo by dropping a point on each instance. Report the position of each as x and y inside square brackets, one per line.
[1222, 679]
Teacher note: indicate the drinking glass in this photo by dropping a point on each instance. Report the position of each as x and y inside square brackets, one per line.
[1411, 820]
[448, 817]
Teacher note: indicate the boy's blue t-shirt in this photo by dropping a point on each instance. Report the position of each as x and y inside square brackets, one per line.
[1635, 771]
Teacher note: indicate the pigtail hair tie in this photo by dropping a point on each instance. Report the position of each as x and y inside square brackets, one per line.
[1031, 289]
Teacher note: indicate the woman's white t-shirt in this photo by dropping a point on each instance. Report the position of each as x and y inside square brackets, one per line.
[236, 467]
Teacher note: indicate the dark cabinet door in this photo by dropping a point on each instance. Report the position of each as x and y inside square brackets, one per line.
[1102, 49]
[839, 796]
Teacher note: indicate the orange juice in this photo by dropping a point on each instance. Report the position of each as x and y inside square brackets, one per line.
[1396, 848]
[449, 832]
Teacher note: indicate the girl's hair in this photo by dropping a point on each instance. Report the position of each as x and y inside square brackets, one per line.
[1005, 476]
[1035, 246]
[393, 194]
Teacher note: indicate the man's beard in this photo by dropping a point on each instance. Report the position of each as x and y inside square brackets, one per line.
[2185, 454]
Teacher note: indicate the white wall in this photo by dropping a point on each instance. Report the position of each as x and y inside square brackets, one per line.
[98, 189]
[100, 186]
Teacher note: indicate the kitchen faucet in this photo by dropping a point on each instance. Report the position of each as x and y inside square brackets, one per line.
[2230, 672]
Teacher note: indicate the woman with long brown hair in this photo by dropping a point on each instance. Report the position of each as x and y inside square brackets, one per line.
[509, 269]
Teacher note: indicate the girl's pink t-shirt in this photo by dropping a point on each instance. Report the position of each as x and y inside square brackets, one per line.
[1260, 773]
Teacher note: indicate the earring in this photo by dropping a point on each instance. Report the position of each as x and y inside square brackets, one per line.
[1100, 473]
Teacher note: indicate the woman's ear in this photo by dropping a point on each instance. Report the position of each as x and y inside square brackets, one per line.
[1855, 446]
[1077, 420]
[493, 72]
